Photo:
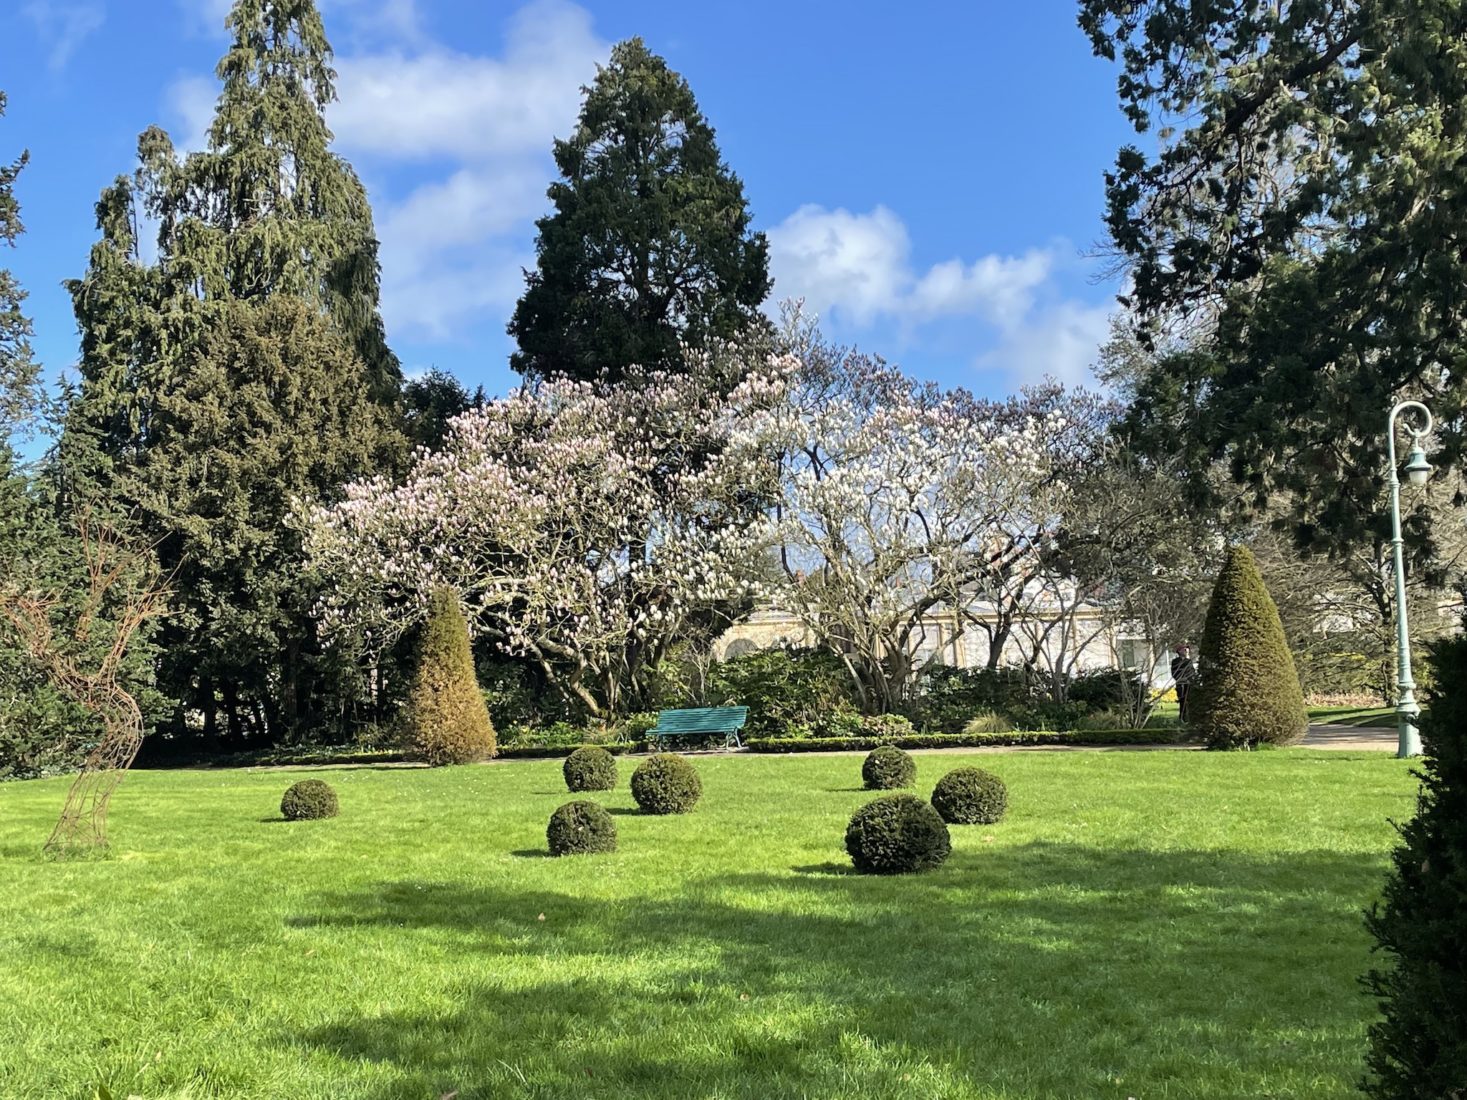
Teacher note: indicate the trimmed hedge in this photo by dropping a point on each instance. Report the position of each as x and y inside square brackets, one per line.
[1247, 690]
[1418, 1045]
[896, 834]
[580, 828]
[307, 800]
[589, 768]
[666, 784]
[888, 768]
[970, 796]
[969, 741]
[448, 722]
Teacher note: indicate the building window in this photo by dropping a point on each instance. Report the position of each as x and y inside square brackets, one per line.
[1132, 652]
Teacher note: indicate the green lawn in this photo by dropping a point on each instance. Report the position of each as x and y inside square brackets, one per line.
[1145, 924]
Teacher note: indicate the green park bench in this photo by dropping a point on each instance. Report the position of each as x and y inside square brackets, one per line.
[703, 722]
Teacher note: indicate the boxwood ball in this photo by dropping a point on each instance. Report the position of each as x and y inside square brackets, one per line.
[579, 828]
[590, 768]
[310, 798]
[888, 768]
[897, 834]
[666, 784]
[970, 796]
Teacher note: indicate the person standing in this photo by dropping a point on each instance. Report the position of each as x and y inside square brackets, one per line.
[1184, 675]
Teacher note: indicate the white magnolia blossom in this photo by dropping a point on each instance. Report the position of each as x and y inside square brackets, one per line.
[584, 526]
[900, 500]
[590, 528]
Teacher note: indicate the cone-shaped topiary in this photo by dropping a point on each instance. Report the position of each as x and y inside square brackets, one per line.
[1419, 1048]
[887, 768]
[1247, 689]
[448, 722]
[590, 768]
[666, 784]
[310, 798]
[895, 834]
[970, 796]
[580, 827]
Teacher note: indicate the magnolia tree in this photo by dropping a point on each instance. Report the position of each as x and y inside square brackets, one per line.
[586, 526]
[900, 502]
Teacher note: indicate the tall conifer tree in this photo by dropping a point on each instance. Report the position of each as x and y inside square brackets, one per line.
[649, 244]
[246, 366]
[19, 373]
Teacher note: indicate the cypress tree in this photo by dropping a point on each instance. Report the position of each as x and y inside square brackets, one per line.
[648, 247]
[1248, 690]
[1419, 1048]
[245, 366]
[448, 722]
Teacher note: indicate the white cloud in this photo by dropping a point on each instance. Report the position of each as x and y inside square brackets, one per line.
[440, 103]
[191, 101]
[453, 247]
[1061, 341]
[63, 26]
[456, 147]
[859, 267]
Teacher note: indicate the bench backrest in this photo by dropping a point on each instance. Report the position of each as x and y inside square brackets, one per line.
[702, 720]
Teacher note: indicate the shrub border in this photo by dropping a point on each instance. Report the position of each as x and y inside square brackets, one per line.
[967, 741]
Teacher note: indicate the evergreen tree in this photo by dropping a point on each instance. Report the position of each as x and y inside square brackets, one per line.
[430, 401]
[245, 366]
[448, 719]
[19, 372]
[265, 408]
[1301, 208]
[1419, 1048]
[1248, 690]
[649, 245]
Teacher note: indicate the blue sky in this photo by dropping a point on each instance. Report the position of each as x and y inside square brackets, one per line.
[929, 174]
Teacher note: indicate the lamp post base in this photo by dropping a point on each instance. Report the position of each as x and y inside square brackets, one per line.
[1408, 737]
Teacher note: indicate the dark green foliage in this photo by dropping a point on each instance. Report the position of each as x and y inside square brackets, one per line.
[849, 723]
[1247, 691]
[1305, 197]
[787, 691]
[448, 722]
[430, 401]
[970, 796]
[1102, 688]
[666, 784]
[648, 245]
[946, 698]
[242, 368]
[590, 768]
[308, 799]
[20, 374]
[895, 835]
[580, 828]
[887, 768]
[1419, 1048]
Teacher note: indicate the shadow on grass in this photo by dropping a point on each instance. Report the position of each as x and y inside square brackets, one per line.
[532, 853]
[1046, 971]
[828, 868]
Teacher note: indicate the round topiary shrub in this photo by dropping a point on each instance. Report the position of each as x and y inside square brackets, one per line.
[590, 768]
[310, 798]
[896, 834]
[578, 828]
[666, 784]
[970, 796]
[887, 768]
